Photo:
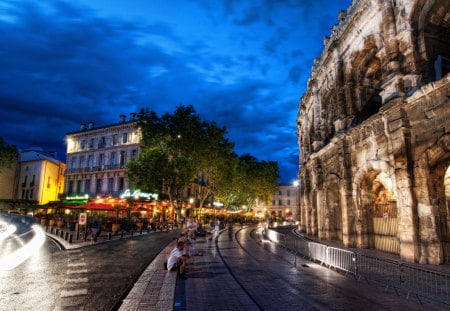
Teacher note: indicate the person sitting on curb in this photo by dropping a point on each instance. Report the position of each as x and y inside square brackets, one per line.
[177, 261]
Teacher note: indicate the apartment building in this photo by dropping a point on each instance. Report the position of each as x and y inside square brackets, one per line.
[284, 205]
[97, 157]
[40, 176]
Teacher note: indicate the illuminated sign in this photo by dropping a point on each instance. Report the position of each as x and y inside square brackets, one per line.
[137, 194]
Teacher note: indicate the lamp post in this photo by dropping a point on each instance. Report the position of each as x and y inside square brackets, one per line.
[297, 199]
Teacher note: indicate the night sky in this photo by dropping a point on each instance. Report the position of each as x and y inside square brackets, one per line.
[243, 64]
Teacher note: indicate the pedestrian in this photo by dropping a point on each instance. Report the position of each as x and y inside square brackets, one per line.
[215, 231]
[177, 261]
[230, 231]
[192, 226]
[95, 228]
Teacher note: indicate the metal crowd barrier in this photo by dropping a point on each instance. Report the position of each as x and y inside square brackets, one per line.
[421, 283]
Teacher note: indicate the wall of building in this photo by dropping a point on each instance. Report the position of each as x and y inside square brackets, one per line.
[373, 134]
[284, 204]
[97, 156]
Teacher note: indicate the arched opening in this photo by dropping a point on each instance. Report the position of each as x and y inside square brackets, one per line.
[435, 34]
[379, 215]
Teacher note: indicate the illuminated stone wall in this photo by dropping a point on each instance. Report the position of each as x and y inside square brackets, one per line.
[374, 134]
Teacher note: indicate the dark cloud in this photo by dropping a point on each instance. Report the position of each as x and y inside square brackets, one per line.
[241, 64]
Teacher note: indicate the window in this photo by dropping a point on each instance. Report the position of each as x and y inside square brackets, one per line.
[78, 190]
[113, 160]
[280, 202]
[288, 193]
[74, 163]
[288, 202]
[102, 142]
[124, 138]
[91, 143]
[91, 161]
[83, 144]
[32, 181]
[121, 184]
[110, 185]
[101, 159]
[280, 192]
[134, 153]
[115, 139]
[82, 161]
[70, 190]
[122, 159]
[98, 186]
[87, 185]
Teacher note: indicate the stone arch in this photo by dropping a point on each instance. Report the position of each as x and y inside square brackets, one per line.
[365, 73]
[376, 208]
[434, 202]
[431, 24]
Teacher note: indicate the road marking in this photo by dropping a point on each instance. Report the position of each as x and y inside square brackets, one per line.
[73, 292]
[77, 280]
[77, 264]
[77, 271]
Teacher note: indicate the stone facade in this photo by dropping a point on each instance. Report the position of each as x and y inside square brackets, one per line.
[374, 131]
[97, 158]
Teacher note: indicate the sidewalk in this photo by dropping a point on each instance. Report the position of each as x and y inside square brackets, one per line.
[261, 277]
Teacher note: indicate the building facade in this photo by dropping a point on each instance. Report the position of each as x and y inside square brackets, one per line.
[374, 134]
[284, 205]
[97, 157]
[40, 177]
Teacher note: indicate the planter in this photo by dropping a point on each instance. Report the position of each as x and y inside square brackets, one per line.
[115, 228]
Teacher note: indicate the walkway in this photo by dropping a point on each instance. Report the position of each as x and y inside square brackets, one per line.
[259, 277]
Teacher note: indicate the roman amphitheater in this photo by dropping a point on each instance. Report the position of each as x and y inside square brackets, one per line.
[374, 131]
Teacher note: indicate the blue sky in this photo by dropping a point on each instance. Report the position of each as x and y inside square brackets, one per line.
[243, 64]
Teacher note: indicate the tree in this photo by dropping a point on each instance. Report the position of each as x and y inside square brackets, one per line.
[8, 154]
[251, 179]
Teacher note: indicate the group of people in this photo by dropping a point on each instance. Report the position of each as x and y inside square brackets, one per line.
[185, 248]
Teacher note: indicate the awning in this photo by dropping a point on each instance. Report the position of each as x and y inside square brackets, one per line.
[95, 206]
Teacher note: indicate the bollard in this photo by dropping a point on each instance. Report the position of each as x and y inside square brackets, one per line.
[66, 236]
[70, 238]
[140, 232]
[78, 235]
[61, 234]
[109, 235]
[85, 236]
[132, 232]
[121, 234]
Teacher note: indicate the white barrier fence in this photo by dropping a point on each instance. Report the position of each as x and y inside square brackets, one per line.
[422, 283]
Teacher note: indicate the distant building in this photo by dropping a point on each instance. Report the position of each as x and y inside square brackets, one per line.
[284, 204]
[97, 157]
[40, 177]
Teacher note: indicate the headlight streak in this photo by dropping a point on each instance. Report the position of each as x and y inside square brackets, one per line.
[20, 255]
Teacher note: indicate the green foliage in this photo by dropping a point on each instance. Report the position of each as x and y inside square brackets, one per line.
[180, 150]
[8, 154]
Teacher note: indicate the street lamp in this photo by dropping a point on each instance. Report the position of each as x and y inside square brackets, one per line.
[297, 198]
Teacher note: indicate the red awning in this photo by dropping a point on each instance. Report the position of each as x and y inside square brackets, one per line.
[96, 206]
